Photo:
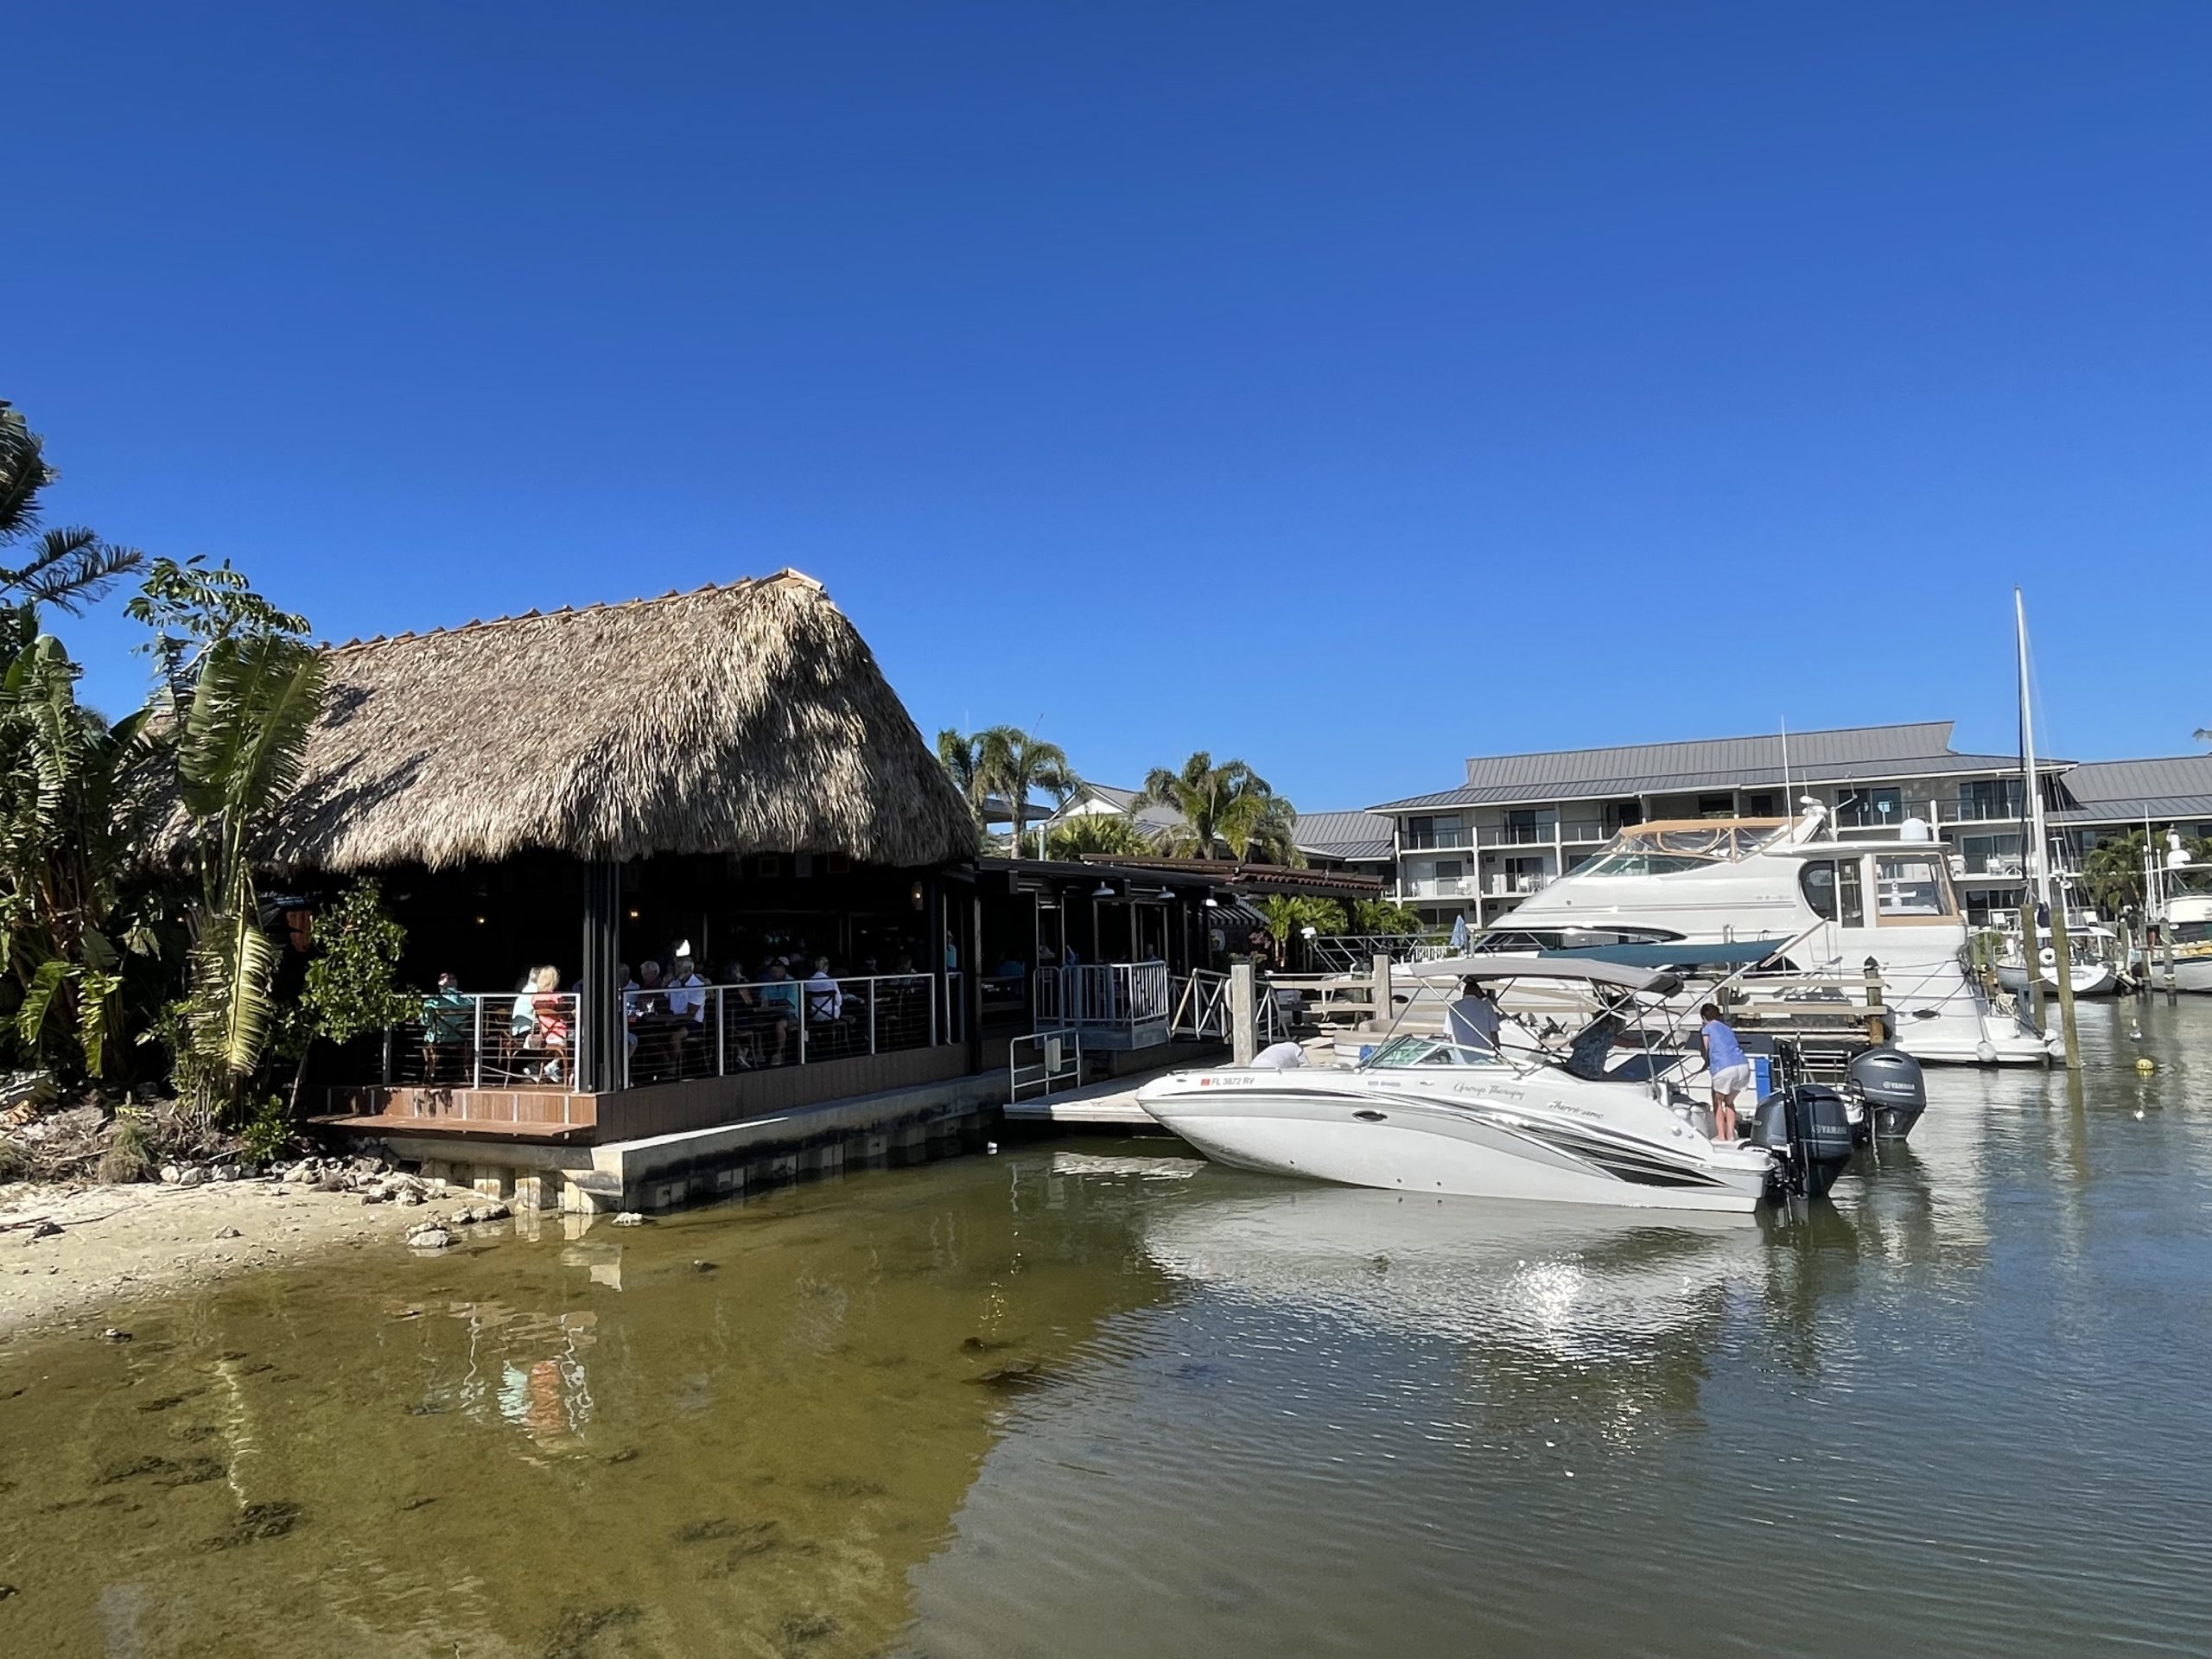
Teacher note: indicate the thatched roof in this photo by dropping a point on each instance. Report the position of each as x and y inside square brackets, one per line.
[738, 718]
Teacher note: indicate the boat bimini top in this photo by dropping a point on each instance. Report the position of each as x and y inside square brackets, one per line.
[1499, 966]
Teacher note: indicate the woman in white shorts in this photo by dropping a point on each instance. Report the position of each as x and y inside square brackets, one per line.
[1732, 1071]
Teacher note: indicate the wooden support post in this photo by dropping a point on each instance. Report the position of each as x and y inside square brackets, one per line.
[1380, 992]
[1877, 1014]
[2031, 958]
[2062, 964]
[1244, 1039]
[2166, 943]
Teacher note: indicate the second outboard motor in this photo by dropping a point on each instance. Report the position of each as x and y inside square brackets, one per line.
[1889, 1081]
[1810, 1133]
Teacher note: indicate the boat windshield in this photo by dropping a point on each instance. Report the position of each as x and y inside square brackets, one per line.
[1691, 844]
[1411, 1050]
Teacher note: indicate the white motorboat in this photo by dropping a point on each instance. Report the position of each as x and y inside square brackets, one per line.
[1823, 904]
[1602, 1123]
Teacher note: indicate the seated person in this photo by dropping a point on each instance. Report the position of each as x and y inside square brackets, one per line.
[780, 1000]
[1587, 1055]
[553, 1017]
[687, 999]
[448, 1022]
[825, 998]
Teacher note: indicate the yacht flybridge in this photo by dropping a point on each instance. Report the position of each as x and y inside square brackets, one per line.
[1820, 906]
[1601, 1120]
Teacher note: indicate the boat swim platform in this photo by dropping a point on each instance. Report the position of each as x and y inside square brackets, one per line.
[1109, 1103]
[658, 1171]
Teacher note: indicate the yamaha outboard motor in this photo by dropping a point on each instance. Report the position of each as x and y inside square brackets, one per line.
[1888, 1080]
[1808, 1130]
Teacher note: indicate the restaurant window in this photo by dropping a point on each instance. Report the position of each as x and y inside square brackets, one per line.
[1716, 806]
[1910, 887]
[1758, 806]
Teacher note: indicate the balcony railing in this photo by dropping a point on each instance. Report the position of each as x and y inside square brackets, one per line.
[1439, 886]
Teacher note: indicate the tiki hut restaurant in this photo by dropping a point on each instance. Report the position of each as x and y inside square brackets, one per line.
[685, 862]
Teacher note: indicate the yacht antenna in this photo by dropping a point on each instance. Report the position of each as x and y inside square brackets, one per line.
[1787, 810]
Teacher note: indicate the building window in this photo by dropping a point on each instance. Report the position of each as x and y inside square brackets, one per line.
[1524, 874]
[1991, 854]
[1437, 832]
[1990, 798]
[1857, 808]
[1758, 806]
[1716, 806]
[1528, 826]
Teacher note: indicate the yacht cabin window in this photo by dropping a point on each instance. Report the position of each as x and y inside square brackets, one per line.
[1835, 890]
[1911, 888]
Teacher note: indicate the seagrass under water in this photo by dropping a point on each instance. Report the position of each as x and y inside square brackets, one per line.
[1090, 1398]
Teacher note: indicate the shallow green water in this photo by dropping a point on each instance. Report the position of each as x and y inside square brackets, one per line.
[1088, 1398]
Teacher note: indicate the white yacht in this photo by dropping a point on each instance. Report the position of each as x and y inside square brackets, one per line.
[2183, 918]
[1600, 1123]
[1824, 906]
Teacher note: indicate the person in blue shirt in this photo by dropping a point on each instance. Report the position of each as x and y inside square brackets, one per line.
[1732, 1073]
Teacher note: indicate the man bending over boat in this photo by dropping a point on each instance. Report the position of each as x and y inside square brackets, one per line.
[1732, 1073]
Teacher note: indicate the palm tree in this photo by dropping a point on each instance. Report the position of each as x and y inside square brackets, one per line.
[2113, 872]
[1289, 918]
[1227, 811]
[1016, 763]
[242, 740]
[1095, 832]
[962, 758]
[64, 566]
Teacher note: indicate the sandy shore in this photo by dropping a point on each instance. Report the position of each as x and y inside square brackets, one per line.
[127, 1243]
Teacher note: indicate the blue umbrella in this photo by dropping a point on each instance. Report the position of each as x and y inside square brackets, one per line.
[1459, 934]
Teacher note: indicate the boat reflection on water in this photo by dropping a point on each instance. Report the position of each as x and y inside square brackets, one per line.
[1605, 1315]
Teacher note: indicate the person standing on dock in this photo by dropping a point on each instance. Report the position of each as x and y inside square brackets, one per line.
[1732, 1073]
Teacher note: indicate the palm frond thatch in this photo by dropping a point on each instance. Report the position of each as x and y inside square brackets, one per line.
[746, 718]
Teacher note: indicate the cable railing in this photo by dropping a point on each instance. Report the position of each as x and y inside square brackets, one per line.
[671, 1033]
[472, 1040]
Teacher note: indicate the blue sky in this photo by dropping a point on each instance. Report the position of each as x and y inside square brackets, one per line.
[1347, 388]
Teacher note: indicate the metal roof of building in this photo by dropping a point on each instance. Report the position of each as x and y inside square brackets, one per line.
[1352, 836]
[1849, 754]
[2129, 791]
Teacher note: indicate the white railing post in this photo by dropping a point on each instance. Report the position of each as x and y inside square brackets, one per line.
[874, 989]
[801, 1025]
[722, 1035]
[477, 1077]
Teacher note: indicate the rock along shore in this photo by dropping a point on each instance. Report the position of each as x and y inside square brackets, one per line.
[70, 1252]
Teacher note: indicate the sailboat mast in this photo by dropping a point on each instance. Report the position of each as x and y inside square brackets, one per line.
[2038, 867]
